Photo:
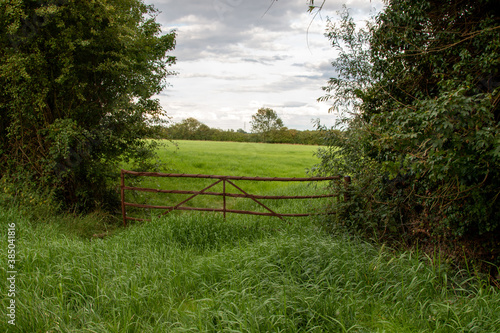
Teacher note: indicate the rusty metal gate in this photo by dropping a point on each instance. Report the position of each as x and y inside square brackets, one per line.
[218, 179]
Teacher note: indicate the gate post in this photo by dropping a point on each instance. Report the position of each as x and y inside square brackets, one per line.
[347, 183]
[122, 190]
[224, 196]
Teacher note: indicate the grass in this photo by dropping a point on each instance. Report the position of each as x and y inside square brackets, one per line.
[203, 274]
[226, 158]
[238, 158]
[194, 272]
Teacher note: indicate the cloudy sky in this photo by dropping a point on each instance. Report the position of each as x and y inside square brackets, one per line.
[236, 56]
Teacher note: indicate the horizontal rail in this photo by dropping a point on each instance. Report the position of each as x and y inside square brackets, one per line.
[135, 219]
[274, 179]
[210, 210]
[234, 195]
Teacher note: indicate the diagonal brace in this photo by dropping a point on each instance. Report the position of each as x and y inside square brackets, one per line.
[257, 201]
[191, 197]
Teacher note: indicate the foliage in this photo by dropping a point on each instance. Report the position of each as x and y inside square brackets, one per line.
[267, 124]
[188, 129]
[76, 82]
[419, 88]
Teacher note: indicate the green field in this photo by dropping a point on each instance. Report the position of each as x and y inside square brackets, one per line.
[237, 158]
[195, 272]
[232, 159]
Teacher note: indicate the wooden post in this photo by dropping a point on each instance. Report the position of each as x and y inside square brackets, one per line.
[224, 196]
[347, 183]
[122, 188]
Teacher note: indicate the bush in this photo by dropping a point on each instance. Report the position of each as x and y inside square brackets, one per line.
[421, 135]
[77, 80]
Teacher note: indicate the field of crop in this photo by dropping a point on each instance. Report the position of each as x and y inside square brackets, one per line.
[195, 272]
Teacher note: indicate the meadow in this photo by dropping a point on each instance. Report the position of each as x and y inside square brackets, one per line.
[198, 272]
[232, 159]
[237, 158]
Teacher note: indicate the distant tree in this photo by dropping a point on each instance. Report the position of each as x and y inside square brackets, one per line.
[191, 124]
[204, 132]
[190, 129]
[266, 123]
[76, 81]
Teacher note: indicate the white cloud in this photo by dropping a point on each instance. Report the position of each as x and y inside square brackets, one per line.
[232, 59]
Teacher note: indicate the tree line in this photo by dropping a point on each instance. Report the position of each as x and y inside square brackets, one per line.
[266, 127]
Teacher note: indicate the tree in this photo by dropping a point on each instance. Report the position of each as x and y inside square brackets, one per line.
[190, 129]
[76, 82]
[421, 86]
[266, 123]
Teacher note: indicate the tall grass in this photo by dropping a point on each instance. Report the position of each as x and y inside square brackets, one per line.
[199, 273]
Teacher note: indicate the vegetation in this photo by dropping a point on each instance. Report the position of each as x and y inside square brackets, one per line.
[267, 124]
[193, 129]
[419, 88]
[198, 272]
[76, 82]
